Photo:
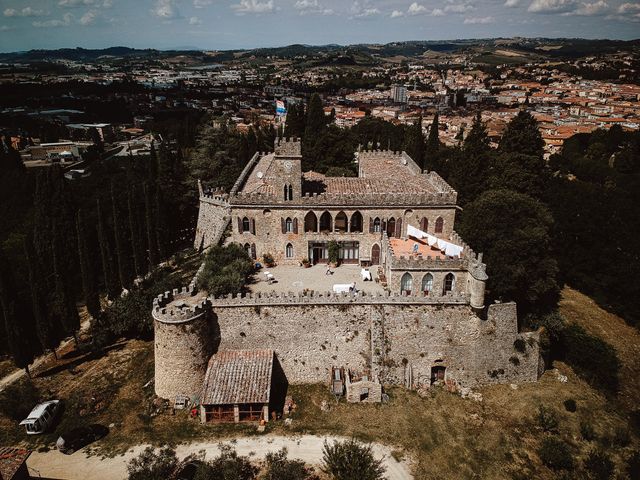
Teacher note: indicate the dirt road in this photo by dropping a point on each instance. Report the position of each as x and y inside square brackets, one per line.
[307, 448]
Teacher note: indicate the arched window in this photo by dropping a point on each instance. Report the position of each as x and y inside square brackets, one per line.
[289, 250]
[247, 248]
[288, 225]
[424, 224]
[356, 222]
[341, 222]
[288, 192]
[439, 225]
[427, 283]
[326, 222]
[391, 227]
[449, 283]
[376, 225]
[246, 225]
[406, 284]
[310, 222]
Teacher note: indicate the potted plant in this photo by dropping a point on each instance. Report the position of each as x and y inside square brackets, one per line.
[306, 263]
[334, 253]
[267, 258]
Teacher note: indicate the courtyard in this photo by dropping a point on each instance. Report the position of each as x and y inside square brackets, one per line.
[292, 278]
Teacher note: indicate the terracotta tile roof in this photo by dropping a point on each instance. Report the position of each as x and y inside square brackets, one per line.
[238, 376]
[11, 459]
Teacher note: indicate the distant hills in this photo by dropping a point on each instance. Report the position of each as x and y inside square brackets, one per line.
[363, 53]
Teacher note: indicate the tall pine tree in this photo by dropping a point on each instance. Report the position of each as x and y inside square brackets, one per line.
[134, 227]
[63, 300]
[122, 255]
[152, 251]
[433, 145]
[87, 272]
[108, 272]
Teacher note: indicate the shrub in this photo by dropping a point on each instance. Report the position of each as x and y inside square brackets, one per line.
[621, 437]
[598, 465]
[150, 465]
[268, 260]
[281, 468]
[555, 454]
[547, 419]
[587, 431]
[334, 251]
[226, 270]
[591, 357]
[520, 345]
[350, 460]
[633, 466]
[227, 466]
[18, 398]
[570, 405]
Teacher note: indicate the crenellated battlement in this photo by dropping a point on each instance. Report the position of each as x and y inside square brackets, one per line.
[415, 200]
[245, 173]
[287, 147]
[180, 305]
[331, 298]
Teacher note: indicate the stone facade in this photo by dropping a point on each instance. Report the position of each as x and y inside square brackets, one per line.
[386, 335]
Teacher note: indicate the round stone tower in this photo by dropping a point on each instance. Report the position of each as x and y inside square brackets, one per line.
[478, 283]
[184, 342]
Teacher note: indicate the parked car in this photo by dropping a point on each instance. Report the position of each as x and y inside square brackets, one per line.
[80, 437]
[42, 417]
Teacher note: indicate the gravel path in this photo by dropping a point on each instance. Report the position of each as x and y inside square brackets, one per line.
[307, 448]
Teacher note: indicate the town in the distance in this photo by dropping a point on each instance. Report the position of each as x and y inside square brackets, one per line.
[412, 260]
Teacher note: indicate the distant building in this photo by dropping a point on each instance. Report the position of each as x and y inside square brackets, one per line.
[399, 93]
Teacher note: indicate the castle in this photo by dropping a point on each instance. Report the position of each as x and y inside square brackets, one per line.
[430, 323]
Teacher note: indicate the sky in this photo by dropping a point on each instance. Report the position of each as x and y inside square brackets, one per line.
[229, 24]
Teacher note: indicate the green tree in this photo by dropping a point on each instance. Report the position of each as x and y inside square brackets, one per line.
[20, 338]
[87, 273]
[522, 136]
[414, 142]
[63, 302]
[134, 228]
[513, 231]
[279, 467]
[108, 271]
[48, 332]
[226, 270]
[350, 460]
[150, 227]
[150, 465]
[122, 254]
[227, 466]
[432, 147]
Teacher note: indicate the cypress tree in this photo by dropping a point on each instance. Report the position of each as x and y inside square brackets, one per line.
[136, 243]
[63, 301]
[110, 282]
[150, 228]
[47, 330]
[316, 119]
[20, 339]
[160, 224]
[414, 143]
[433, 144]
[121, 253]
[89, 281]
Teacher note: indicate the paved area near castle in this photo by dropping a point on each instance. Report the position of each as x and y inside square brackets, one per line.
[307, 448]
[290, 278]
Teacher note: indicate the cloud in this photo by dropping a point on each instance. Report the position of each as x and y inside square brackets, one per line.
[253, 6]
[396, 14]
[363, 9]
[88, 18]
[25, 12]
[459, 8]
[5, 28]
[512, 3]
[551, 6]
[312, 7]
[478, 20]
[165, 9]
[417, 9]
[77, 3]
[627, 12]
[599, 7]
[629, 8]
[67, 19]
[202, 3]
[195, 21]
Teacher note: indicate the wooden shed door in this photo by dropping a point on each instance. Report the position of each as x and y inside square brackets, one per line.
[375, 254]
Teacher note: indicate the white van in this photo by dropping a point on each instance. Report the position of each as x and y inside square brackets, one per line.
[41, 417]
